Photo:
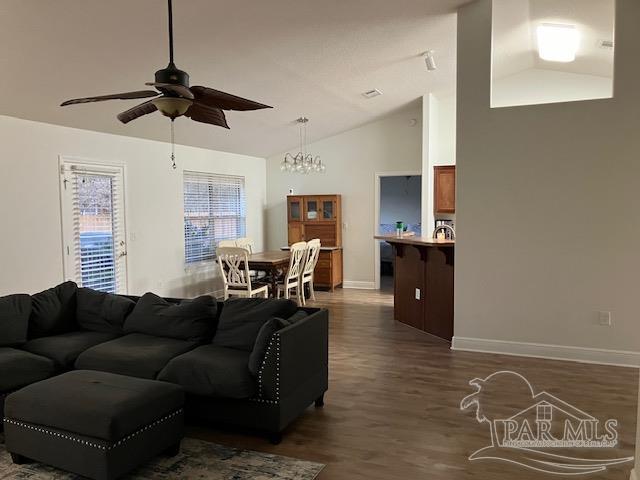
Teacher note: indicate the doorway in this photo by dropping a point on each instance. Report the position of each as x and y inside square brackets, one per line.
[93, 225]
[398, 199]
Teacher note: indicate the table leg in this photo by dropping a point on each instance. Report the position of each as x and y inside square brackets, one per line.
[274, 281]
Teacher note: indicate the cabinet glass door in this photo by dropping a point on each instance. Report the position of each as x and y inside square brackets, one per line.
[312, 209]
[295, 210]
[328, 210]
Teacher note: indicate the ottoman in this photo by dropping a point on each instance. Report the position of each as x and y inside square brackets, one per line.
[96, 424]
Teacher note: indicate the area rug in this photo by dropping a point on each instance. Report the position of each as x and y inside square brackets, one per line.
[196, 460]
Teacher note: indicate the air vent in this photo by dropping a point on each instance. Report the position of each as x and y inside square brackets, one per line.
[605, 44]
[372, 93]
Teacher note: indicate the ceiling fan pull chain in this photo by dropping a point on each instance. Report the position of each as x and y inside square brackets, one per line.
[173, 145]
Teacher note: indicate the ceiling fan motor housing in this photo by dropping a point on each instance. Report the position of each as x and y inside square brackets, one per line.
[173, 75]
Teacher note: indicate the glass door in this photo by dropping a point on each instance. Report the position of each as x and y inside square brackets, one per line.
[328, 209]
[94, 239]
[311, 209]
[294, 209]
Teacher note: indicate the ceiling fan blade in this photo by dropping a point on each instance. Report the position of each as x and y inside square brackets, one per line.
[137, 111]
[225, 101]
[181, 90]
[115, 96]
[202, 113]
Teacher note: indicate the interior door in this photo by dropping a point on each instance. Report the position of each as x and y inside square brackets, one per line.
[93, 226]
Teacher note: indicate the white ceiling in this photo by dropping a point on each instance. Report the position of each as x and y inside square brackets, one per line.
[515, 43]
[311, 57]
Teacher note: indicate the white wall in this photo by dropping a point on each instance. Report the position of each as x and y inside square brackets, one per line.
[536, 86]
[31, 244]
[400, 199]
[438, 147]
[352, 159]
[548, 225]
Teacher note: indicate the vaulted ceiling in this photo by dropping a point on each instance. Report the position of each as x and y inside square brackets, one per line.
[311, 57]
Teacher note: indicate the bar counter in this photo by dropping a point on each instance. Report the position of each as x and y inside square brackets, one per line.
[423, 272]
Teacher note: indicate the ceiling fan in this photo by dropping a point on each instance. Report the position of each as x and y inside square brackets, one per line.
[175, 98]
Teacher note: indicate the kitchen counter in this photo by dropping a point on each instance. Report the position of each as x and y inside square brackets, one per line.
[423, 283]
[414, 240]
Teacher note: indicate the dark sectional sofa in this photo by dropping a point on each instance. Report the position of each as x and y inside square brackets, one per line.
[251, 363]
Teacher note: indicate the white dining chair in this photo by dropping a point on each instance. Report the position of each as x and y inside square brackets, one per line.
[227, 244]
[311, 260]
[247, 243]
[292, 276]
[236, 277]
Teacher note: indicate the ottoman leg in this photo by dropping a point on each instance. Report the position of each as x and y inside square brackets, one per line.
[20, 459]
[173, 450]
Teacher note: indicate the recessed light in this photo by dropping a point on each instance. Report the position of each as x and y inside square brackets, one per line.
[557, 42]
[372, 93]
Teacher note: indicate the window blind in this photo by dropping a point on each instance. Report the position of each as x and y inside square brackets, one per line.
[214, 210]
[98, 228]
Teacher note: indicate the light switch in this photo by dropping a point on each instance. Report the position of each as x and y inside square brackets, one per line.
[418, 294]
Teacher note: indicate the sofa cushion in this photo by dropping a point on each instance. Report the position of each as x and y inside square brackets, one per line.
[102, 312]
[193, 320]
[136, 354]
[296, 317]
[14, 319]
[270, 327]
[212, 371]
[94, 404]
[19, 368]
[53, 311]
[242, 318]
[65, 348]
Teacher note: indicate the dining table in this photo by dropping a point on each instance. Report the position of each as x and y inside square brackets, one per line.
[274, 263]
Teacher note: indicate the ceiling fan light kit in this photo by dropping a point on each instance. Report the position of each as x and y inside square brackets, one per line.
[175, 98]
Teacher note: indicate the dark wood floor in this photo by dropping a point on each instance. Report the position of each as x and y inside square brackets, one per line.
[392, 410]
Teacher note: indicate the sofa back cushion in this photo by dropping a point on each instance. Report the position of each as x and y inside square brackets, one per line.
[14, 319]
[53, 311]
[242, 318]
[193, 320]
[102, 312]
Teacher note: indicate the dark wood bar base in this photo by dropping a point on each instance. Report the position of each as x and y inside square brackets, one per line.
[423, 284]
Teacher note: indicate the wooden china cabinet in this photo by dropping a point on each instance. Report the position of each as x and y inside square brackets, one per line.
[319, 216]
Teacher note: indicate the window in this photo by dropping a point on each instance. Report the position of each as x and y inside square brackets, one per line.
[214, 210]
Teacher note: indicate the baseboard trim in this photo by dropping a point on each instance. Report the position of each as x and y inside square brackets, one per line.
[359, 285]
[619, 358]
[633, 475]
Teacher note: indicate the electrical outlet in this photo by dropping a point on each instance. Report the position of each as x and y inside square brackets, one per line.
[418, 294]
[604, 319]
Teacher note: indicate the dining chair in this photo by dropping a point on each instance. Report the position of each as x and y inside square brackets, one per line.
[226, 243]
[311, 260]
[292, 277]
[246, 242]
[234, 268]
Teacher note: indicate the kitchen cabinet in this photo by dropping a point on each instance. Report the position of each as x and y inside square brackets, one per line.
[444, 190]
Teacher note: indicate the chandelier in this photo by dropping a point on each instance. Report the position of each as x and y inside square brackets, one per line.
[303, 161]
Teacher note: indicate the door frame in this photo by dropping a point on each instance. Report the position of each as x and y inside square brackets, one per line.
[376, 217]
[107, 165]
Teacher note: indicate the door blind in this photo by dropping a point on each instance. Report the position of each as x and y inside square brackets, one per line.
[98, 227]
[214, 210]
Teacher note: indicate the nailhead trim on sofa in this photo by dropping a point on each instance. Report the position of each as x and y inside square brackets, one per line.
[90, 444]
[275, 339]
